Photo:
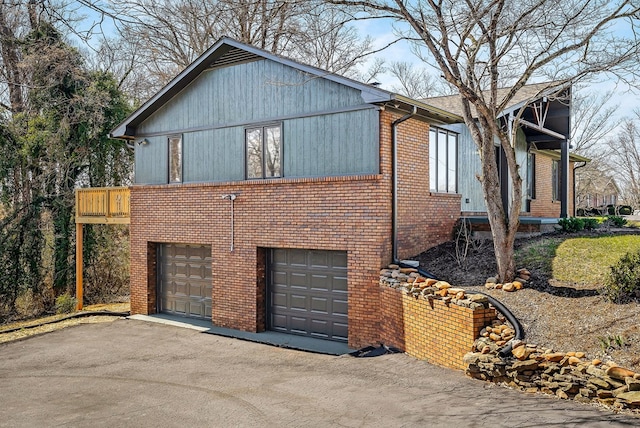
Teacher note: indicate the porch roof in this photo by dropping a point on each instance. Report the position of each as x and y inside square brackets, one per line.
[545, 116]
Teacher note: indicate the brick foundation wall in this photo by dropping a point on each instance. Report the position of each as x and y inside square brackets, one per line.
[431, 330]
[349, 214]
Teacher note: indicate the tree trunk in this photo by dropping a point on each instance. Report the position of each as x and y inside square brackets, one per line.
[504, 226]
[11, 58]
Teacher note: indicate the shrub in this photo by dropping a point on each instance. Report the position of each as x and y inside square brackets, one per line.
[591, 223]
[619, 209]
[617, 220]
[571, 224]
[623, 281]
[625, 210]
[65, 304]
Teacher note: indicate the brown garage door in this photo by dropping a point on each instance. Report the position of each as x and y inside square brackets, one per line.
[184, 280]
[308, 293]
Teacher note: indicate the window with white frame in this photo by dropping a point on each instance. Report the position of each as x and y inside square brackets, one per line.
[443, 160]
[175, 159]
[263, 147]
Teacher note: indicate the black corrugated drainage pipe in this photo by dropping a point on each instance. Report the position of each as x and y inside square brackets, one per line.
[519, 332]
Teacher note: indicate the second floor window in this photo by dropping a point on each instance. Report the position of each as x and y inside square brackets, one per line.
[175, 159]
[443, 160]
[263, 152]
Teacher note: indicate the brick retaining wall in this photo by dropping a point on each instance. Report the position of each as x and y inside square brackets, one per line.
[430, 329]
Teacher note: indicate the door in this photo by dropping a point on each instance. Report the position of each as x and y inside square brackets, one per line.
[184, 280]
[307, 293]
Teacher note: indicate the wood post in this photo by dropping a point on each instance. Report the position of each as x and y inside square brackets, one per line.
[79, 262]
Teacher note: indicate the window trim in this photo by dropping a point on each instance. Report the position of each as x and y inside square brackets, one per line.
[263, 143]
[179, 137]
[433, 168]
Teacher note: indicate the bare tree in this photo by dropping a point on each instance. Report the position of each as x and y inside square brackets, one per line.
[593, 119]
[329, 43]
[625, 159]
[479, 44]
[160, 38]
[415, 82]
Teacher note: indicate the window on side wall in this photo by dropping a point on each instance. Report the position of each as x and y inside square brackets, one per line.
[443, 160]
[175, 159]
[531, 176]
[263, 148]
[555, 180]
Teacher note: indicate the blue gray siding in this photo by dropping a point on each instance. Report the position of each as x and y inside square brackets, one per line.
[152, 161]
[330, 145]
[469, 167]
[327, 128]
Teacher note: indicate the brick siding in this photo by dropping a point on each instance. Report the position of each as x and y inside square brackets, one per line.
[350, 214]
[431, 330]
[425, 219]
[543, 205]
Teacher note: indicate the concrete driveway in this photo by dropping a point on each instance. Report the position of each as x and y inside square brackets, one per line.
[134, 373]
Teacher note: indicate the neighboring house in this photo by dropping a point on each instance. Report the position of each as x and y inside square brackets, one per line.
[268, 194]
[596, 190]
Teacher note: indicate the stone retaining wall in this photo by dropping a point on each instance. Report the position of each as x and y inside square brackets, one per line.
[565, 375]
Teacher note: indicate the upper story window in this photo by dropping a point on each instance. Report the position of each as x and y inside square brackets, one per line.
[175, 159]
[443, 160]
[263, 151]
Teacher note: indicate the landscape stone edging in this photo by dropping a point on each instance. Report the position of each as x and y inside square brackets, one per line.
[530, 368]
[566, 375]
[411, 283]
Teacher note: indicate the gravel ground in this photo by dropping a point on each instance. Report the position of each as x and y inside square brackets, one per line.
[27, 328]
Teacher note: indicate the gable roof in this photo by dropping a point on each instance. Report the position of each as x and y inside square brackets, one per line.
[526, 95]
[227, 51]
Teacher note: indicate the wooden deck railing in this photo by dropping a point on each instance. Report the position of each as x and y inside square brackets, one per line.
[97, 205]
[102, 205]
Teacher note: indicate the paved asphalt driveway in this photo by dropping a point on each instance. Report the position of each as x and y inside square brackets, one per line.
[134, 373]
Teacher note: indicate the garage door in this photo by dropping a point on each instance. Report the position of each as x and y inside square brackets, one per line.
[184, 280]
[308, 293]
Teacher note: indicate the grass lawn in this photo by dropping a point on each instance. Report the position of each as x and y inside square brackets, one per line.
[587, 260]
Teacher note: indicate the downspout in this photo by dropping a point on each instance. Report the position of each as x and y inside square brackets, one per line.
[574, 185]
[519, 332]
[394, 203]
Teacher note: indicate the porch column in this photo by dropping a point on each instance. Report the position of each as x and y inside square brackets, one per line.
[564, 178]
